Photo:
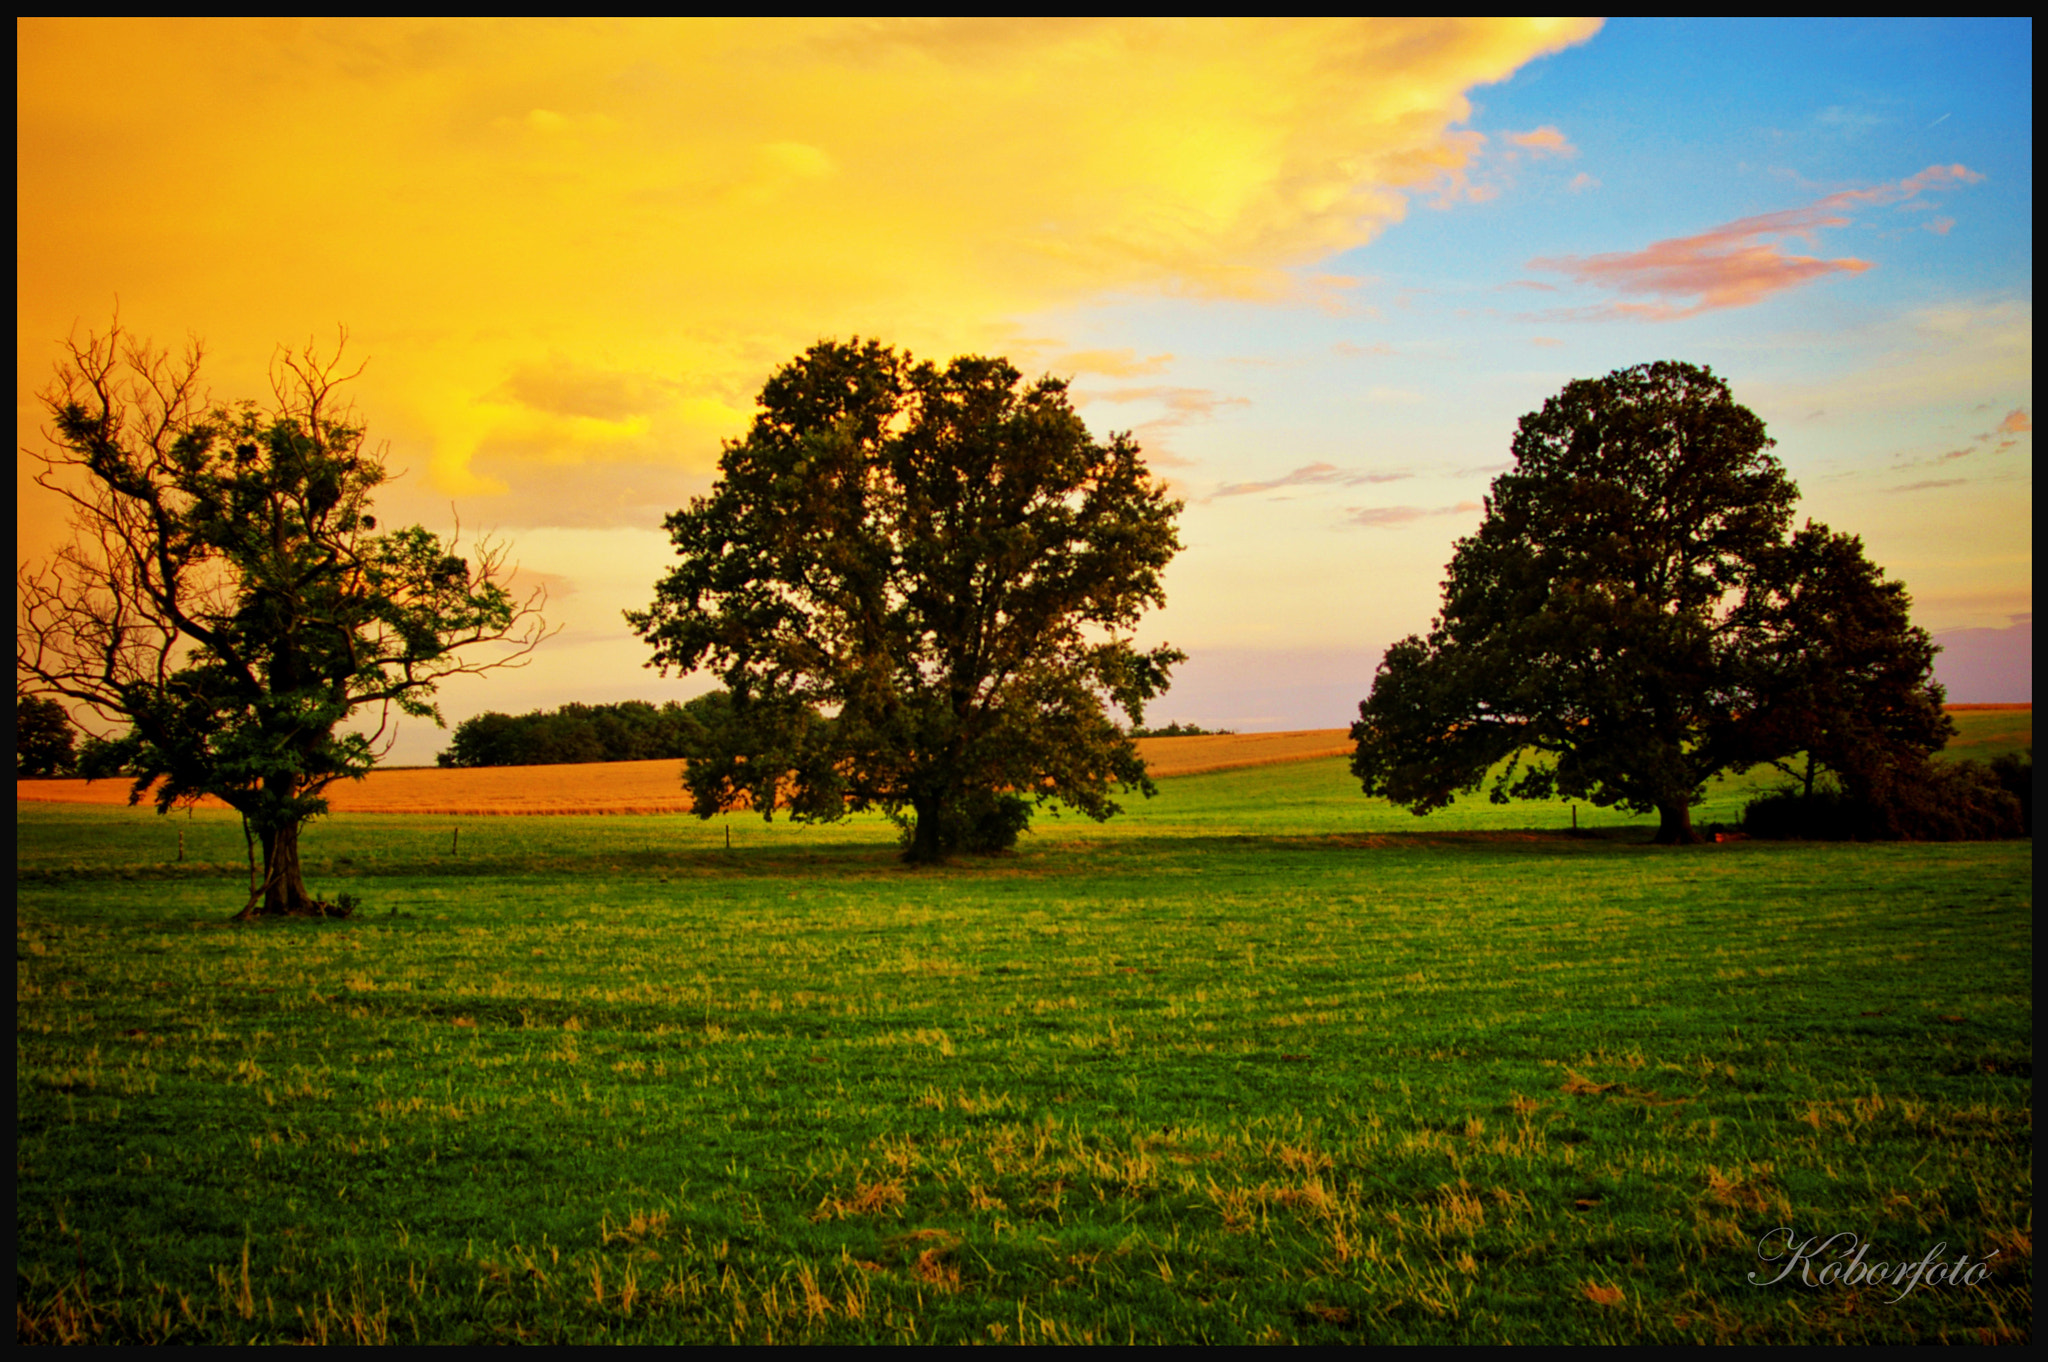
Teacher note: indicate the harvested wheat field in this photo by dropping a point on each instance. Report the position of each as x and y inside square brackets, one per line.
[602, 787]
[1230, 751]
[656, 786]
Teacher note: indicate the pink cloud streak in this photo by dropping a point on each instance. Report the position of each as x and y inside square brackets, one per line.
[1737, 263]
[1386, 517]
[1309, 475]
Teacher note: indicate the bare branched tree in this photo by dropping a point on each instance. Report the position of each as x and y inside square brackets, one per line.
[227, 598]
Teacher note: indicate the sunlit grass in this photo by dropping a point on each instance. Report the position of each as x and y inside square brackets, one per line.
[1261, 1060]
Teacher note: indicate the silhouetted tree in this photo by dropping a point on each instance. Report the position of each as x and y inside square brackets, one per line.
[1630, 620]
[917, 586]
[43, 737]
[229, 598]
[1832, 668]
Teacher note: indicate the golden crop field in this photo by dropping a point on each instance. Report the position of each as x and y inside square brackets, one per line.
[656, 786]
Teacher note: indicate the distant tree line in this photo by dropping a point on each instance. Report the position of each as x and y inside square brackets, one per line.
[1179, 730]
[632, 730]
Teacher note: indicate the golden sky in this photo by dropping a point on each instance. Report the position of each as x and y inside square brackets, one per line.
[586, 242]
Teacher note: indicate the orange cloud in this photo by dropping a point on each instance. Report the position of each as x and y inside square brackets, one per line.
[563, 388]
[1446, 168]
[1110, 363]
[1949, 174]
[2015, 422]
[505, 211]
[1738, 263]
[1182, 404]
[1546, 139]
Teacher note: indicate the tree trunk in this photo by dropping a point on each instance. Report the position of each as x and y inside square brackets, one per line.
[283, 891]
[1674, 826]
[925, 847]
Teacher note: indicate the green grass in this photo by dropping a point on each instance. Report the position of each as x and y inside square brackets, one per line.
[1261, 1060]
[1983, 734]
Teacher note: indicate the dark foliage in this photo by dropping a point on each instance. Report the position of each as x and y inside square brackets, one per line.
[1830, 666]
[632, 730]
[2015, 775]
[947, 564]
[1961, 801]
[44, 740]
[1178, 730]
[1631, 619]
[982, 822]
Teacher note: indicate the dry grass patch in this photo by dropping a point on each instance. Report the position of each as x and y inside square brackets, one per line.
[870, 1196]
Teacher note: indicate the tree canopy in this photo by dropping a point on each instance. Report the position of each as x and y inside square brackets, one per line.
[229, 598]
[44, 740]
[918, 586]
[1834, 669]
[1631, 619]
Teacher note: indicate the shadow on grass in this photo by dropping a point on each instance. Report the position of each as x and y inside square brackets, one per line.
[851, 860]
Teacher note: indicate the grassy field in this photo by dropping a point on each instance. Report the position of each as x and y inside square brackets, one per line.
[1260, 1061]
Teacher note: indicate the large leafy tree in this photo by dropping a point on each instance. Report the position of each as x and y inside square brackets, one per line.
[229, 599]
[918, 587]
[1631, 619]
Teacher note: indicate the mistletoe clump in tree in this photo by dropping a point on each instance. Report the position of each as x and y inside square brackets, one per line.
[229, 598]
[1631, 619]
[917, 586]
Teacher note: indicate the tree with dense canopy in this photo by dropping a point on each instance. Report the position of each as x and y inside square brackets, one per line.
[1631, 619]
[228, 597]
[44, 742]
[1836, 670]
[917, 586]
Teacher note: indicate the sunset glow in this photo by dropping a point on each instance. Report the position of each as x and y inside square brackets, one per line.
[1320, 267]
